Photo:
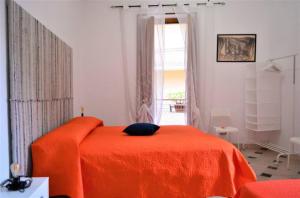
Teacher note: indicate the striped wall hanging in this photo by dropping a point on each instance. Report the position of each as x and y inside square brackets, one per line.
[40, 74]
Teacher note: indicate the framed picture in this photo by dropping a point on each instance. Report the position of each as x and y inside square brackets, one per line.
[236, 47]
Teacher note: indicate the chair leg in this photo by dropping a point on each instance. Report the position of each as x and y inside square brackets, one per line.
[289, 155]
[238, 140]
[288, 161]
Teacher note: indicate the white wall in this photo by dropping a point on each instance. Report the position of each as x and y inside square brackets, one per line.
[92, 29]
[4, 152]
[276, 27]
[65, 19]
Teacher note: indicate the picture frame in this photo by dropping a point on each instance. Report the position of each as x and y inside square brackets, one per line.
[236, 48]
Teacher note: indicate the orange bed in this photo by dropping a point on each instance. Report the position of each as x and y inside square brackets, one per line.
[289, 188]
[83, 158]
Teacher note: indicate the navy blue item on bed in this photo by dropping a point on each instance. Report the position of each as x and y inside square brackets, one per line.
[141, 129]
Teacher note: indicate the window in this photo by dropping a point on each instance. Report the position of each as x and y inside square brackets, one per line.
[173, 52]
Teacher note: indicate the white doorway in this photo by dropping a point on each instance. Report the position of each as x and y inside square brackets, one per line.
[173, 101]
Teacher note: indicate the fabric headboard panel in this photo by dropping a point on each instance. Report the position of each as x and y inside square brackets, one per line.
[40, 74]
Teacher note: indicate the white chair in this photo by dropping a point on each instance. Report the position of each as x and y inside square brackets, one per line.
[221, 122]
[293, 141]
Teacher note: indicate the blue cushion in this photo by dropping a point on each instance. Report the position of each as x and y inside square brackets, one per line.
[141, 129]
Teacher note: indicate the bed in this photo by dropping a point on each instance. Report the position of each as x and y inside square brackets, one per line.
[85, 159]
[270, 189]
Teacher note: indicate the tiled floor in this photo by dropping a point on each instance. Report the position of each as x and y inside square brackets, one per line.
[262, 161]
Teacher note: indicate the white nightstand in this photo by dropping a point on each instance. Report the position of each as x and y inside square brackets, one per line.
[39, 189]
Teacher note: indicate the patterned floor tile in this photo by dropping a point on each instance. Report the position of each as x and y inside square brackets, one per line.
[266, 175]
[263, 162]
[272, 167]
[251, 157]
[258, 152]
[264, 149]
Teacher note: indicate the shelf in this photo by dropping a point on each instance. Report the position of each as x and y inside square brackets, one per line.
[272, 147]
[262, 130]
[261, 90]
[261, 103]
[260, 123]
[262, 100]
[255, 115]
[250, 122]
[254, 103]
[251, 115]
[264, 103]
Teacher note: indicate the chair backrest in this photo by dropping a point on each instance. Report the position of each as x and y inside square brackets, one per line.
[220, 117]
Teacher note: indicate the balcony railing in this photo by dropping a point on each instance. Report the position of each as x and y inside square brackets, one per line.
[173, 105]
[173, 112]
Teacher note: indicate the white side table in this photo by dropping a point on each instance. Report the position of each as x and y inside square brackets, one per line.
[39, 189]
[229, 130]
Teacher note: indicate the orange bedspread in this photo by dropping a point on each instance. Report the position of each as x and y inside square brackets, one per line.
[56, 155]
[178, 161]
[289, 188]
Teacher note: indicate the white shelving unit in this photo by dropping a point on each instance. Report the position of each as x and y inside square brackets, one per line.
[262, 99]
[263, 106]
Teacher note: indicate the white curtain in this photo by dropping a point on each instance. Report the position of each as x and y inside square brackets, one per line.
[145, 68]
[199, 62]
[159, 67]
[149, 67]
[188, 23]
[206, 59]
[124, 18]
[192, 71]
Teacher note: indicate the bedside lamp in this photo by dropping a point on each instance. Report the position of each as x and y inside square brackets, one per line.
[15, 169]
[82, 111]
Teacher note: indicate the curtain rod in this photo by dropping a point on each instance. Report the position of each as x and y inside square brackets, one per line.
[283, 57]
[294, 64]
[221, 3]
